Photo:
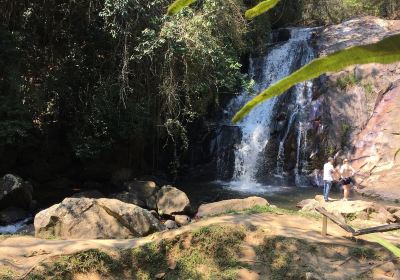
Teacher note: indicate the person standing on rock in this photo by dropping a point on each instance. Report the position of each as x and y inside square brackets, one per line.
[329, 171]
[346, 173]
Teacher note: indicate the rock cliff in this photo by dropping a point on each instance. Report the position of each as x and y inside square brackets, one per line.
[360, 106]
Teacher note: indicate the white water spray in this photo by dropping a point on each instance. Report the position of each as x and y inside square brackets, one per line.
[280, 61]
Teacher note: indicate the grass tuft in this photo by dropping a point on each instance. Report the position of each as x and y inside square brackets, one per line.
[281, 255]
[84, 262]
[362, 253]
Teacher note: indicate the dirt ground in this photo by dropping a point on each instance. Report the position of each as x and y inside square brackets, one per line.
[20, 254]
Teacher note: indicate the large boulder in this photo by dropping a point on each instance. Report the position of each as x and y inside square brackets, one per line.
[359, 209]
[15, 192]
[171, 201]
[143, 189]
[340, 206]
[129, 197]
[141, 193]
[88, 194]
[224, 206]
[85, 218]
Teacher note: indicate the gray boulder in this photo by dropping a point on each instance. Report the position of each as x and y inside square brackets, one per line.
[15, 192]
[85, 218]
[171, 201]
[170, 224]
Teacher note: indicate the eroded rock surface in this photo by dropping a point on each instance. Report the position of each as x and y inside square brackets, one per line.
[357, 109]
[85, 218]
[356, 209]
[230, 205]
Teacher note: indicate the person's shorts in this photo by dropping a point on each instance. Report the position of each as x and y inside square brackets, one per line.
[347, 181]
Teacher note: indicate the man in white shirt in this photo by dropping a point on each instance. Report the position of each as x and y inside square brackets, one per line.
[329, 170]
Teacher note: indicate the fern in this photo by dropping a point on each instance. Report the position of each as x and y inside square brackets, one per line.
[385, 51]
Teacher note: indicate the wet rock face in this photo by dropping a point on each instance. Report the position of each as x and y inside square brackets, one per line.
[85, 218]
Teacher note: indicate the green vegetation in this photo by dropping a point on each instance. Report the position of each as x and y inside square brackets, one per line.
[317, 12]
[282, 255]
[209, 253]
[7, 274]
[178, 5]
[386, 51]
[121, 83]
[261, 8]
[346, 81]
[90, 80]
[214, 248]
[362, 253]
[368, 88]
[257, 209]
[391, 247]
[335, 11]
[84, 262]
[345, 130]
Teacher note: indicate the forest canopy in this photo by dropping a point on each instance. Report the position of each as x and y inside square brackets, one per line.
[122, 78]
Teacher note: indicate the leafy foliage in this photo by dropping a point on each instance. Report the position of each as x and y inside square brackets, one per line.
[385, 51]
[261, 8]
[324, 12]
[178, 5]
[102, 76]
[391, 247]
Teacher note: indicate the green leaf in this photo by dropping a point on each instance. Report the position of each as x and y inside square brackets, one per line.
[178, 5]
[396, 153]
[391, 247]
[260, 8]
[385, 51]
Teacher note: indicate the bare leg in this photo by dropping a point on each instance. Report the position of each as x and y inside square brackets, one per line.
[346, 191]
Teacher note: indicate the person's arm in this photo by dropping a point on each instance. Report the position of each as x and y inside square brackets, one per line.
[334, 172]
[353, 171]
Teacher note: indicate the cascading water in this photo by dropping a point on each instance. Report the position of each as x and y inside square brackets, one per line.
[281, 60]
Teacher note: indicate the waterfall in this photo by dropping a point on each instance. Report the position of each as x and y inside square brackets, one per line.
[281, 60]
[281, 151]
